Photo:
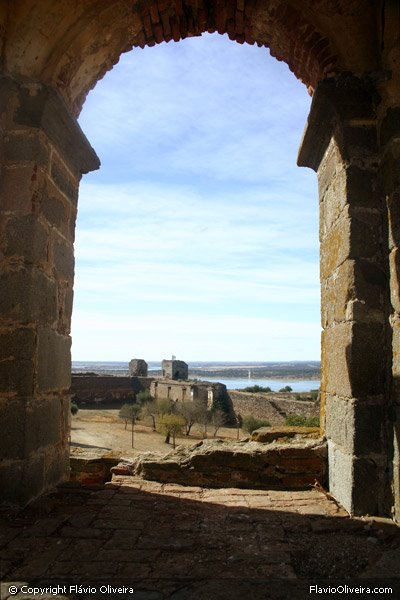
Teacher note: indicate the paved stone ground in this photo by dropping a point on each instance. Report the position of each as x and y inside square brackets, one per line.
[189, 543]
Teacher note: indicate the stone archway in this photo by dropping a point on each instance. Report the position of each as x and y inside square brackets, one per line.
[345, 50]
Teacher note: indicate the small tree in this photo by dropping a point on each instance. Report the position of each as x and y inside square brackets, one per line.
[74, 408]
[150, 409]
[170, 425]
[188, 410]
[287, 388]
[144, 397]
[251, 423]
[130, 412]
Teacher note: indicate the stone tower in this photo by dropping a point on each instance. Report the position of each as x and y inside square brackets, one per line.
[138, 367]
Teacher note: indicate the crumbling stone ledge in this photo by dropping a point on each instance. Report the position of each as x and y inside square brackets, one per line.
[91, 466]
[296, 464]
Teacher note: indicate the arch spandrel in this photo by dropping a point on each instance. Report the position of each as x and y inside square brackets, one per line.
[71, 45]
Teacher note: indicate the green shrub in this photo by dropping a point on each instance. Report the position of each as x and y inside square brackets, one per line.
[287, 388]
[74, 408]
[255, 389]
[144, 396]
[250, 423]
[302, 421]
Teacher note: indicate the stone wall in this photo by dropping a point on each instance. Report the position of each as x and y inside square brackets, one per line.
[43, 156]
[295, 465]
[273, 407]
[101, 390]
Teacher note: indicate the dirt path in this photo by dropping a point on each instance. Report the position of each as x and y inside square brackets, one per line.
[104, 429]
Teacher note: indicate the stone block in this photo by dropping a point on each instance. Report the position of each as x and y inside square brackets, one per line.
[54, 361]
[65, 307]
[368, 488]
[57, 467]
[329, 167]
[26, 147]
[12, 439]
[355, 293]
[358, 427]
[335, 246]
[17, 376]
[43, 423]
[63, 256]
[266, 435]
[341, 475]
[41, 107]
[65, 182]
[53, 209]
[358, 142]
[28, 296]
[353, 361]
[333, 202]
[21, 188]
[18, 343]
[26, 236]
[361, 187]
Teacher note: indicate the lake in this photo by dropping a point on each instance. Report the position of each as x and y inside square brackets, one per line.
[299, 385]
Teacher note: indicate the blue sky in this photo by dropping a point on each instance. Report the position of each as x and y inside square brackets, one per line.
[199, 235]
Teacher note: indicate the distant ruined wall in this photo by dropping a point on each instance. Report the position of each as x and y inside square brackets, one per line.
[93, 389]
[271, 406]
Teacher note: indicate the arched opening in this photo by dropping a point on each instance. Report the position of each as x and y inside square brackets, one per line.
[44, 155]
[199, 233]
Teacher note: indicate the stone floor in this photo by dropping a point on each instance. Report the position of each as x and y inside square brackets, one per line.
[188, 543]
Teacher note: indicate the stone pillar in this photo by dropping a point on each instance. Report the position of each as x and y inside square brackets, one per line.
[390, 183]
[341, 144]
[43, 154]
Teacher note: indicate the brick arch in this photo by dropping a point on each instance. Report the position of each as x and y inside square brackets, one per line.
[72, 49]
[281, 28]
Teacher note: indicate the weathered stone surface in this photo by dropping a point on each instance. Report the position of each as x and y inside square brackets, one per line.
[54, 360]
[266, 435]
[26, 237]
[358, 426]
[175, 369]
[92, 467]
[138, 368]
[243, 464]
[350, 370]
[28, 296]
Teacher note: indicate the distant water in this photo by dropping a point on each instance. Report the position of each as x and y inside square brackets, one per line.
[298, 385]
[122, 368]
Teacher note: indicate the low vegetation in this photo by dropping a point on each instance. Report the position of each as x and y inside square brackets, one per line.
[74, 408]
[255, 389]
[302, 421]
[250, 423]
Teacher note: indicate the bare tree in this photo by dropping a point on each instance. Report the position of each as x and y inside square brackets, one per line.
[129, 412]
[218, 419]
[188, 410]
